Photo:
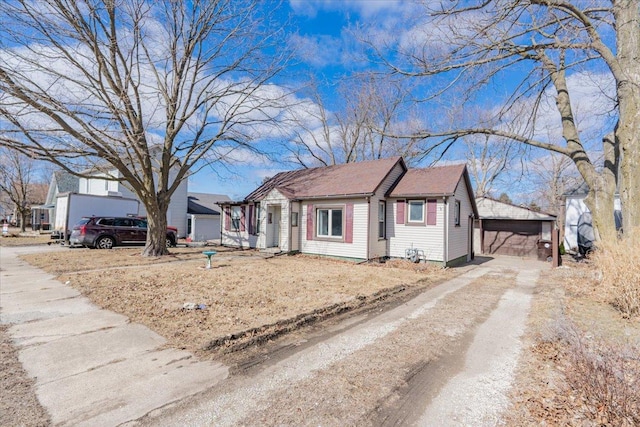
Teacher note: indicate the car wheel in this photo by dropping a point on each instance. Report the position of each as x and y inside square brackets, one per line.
[105, 242]
[170, 242]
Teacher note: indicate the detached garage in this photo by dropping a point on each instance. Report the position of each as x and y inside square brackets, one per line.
[506, 229]
[203, 216]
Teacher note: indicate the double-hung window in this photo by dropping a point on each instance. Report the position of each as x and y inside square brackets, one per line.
[416, 211]
[382, 223]
[235, 218]
[329, 222]
[456, 212]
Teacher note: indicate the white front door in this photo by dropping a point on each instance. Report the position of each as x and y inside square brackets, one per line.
[273, 226]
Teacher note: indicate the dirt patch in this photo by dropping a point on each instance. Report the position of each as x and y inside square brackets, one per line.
[244, 300]
[18, 403]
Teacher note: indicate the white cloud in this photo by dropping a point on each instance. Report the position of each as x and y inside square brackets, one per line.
[317, 51]
[366, 8]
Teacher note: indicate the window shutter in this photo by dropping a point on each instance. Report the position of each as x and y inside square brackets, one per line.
[400, 212]
[227, 218]
[242, 218]
[348, 229]
[432, 207]
[309, 222]
[250, 219]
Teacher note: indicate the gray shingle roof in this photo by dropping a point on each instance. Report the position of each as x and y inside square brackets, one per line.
[205, 203]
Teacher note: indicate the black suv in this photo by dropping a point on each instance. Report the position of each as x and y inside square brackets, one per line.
[107, 232]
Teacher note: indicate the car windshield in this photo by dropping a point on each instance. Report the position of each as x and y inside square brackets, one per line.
[83, 221]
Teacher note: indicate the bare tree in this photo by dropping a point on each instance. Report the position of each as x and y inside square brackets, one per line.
[154, 90]
[371, 108]
[19, 183]
[538, 46]
[553, 175]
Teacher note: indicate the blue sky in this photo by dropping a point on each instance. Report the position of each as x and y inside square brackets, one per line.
[327, 48]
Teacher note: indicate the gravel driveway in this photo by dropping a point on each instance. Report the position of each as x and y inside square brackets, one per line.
[444, 358]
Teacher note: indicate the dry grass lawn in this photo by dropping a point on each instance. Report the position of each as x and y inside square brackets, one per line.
[243, 291]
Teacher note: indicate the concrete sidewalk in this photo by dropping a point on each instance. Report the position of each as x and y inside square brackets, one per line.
[92, 367]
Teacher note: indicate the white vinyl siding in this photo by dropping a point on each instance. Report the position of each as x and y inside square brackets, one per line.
[429, 239]
[458, 244]
[205, 227]
[338, 248]
[275, 198]
[379, 247]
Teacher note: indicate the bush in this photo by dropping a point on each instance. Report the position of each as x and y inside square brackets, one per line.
[620, 272]
[604, 373]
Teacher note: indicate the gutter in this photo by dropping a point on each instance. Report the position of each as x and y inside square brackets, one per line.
[333, 196]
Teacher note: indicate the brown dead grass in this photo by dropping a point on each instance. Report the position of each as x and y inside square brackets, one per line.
[242, 291]
[15, 238]
[580, 346]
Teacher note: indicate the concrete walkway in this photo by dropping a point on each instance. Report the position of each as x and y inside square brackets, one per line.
[92, 367]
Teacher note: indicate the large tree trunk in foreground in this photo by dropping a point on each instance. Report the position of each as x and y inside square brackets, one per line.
[627, 13]
[157, 227]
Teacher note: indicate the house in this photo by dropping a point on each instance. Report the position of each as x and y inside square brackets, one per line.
[42, 216]
[577, 217]
[506, 229]
[361, 211]
[203, 216]
[100, 184]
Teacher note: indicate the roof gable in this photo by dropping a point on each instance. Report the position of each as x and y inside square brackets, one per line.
[433, 181]
[344, 180]
[494, 209]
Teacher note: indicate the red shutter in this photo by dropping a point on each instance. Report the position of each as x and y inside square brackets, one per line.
[250, 219]
[310, 222]
[227, 218]
[400, 212]
[432, 207]
[242, 218]
[348, 229]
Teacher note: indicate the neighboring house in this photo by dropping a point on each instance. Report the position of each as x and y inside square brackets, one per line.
[203, 216]
[100, 185]
[42, 216]
[362, 211]
[577, 225]
[506, 229]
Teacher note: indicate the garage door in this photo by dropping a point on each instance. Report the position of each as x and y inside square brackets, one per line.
[516, 238]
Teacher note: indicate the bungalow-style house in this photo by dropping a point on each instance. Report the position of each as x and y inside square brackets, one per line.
[362, 211]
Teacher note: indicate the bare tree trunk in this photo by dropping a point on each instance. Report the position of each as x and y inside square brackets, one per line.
[628, 129]
[156, 228]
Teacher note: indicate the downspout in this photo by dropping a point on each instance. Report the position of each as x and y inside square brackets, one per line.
[289, 227]
[369, 228]
[446, 230]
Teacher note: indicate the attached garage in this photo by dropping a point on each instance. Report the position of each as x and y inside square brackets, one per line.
[505, 229]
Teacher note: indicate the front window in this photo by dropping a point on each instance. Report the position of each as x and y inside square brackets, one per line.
[235, 218]
[381, 220]
[329, 222]
[416, 211]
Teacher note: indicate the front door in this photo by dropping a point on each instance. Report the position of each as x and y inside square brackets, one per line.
[273, 226]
